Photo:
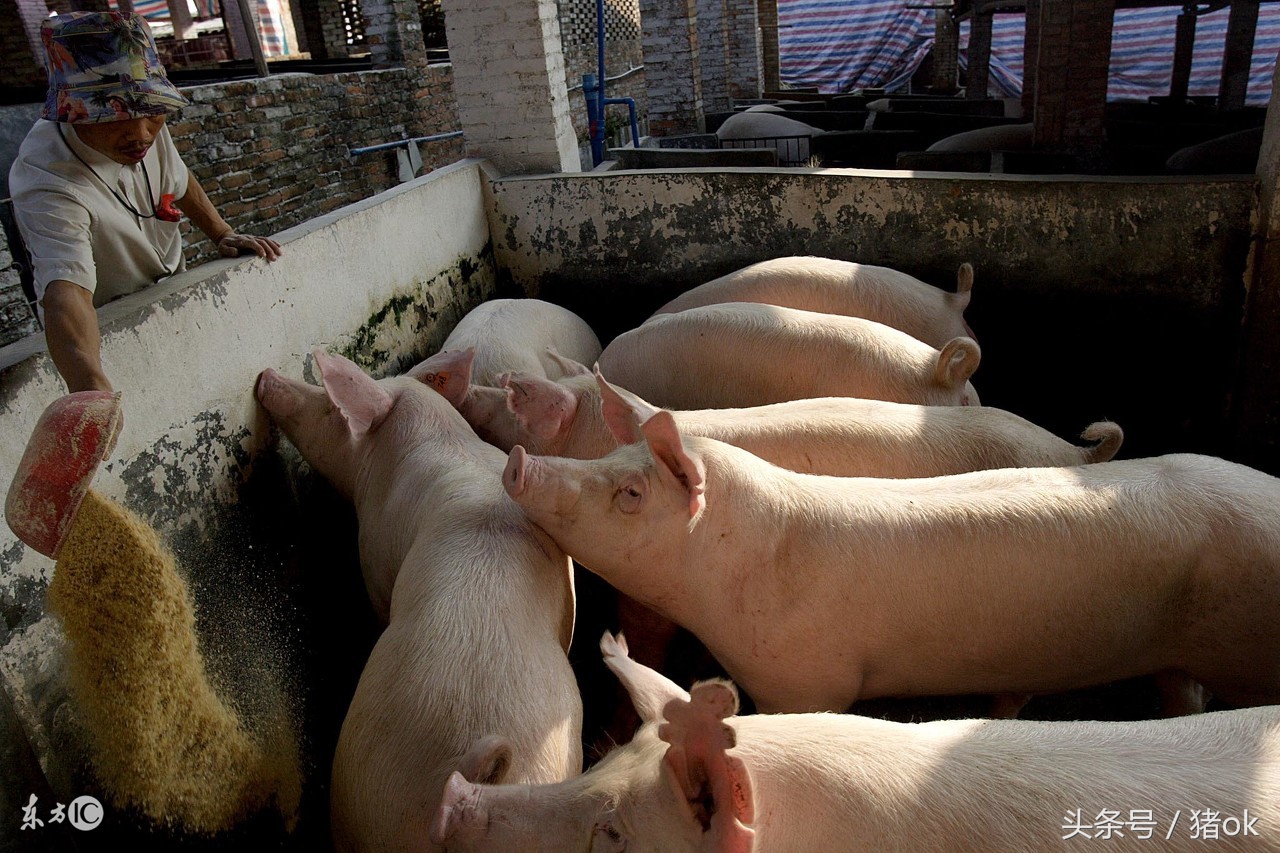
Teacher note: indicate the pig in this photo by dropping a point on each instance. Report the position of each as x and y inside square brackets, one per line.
[765, 130]
[514, 335]
[814, 592]
[1234, 153]
[1002, 137]
[839, 436]
[479, 602]
[831, 286]
[749, 354]
[697, 778]
[585, 417]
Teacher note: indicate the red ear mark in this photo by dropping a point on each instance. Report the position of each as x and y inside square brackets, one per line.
[448, 372]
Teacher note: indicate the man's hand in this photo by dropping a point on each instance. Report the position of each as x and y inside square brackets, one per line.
[233, 244]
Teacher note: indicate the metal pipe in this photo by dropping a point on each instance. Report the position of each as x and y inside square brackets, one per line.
[631, 111]
[597, 132]
[595, 119]
[593, 91]
[612, 79]
[437, 137]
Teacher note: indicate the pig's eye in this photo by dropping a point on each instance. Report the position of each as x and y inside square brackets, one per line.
[629, 498]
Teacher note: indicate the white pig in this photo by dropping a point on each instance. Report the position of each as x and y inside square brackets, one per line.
[480, 601]
[814, 592]
[750, 354]
[765, 130]
[695, 778]
[840, 436]
[514, 334]
[840, 287]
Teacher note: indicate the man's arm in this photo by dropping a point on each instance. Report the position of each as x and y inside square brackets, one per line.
[71, 331]
[196, 205]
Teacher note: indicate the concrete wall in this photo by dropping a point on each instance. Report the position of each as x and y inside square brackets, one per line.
[382, 281]
[1097, 298]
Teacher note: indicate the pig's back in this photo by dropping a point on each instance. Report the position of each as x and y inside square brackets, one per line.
[512, 335]
[832, 286]
[842, 782]
[749, 354]
[852, 437]
[1030, 580]
[481, 615]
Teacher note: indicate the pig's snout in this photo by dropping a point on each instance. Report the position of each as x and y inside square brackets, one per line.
[513, 478]
[265, 378]
[458, 809]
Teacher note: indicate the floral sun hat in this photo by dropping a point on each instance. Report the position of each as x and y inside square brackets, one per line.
[103, 67]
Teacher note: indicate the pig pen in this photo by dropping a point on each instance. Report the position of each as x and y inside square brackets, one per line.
[1094, 298]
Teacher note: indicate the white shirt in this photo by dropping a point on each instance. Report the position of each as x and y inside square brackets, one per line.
[77, 230]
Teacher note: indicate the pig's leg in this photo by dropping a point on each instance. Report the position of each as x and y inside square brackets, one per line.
[649, 636]
[1180, 694]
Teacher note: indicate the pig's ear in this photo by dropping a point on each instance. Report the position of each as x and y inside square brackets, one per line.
[622, 415]
[663, 436]
[363, 402]
[487, 762]
[964, 285]
[650, 691]
[541, 407]
[459, 811]
[715, 785]
[566, 366]
[957, 362]
[449, 372]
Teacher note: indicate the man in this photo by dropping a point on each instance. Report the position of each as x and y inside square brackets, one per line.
[98, 187]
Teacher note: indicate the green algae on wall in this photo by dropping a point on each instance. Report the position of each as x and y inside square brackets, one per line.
[414, 323]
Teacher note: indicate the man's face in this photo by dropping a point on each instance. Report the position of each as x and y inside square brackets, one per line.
[126, 142]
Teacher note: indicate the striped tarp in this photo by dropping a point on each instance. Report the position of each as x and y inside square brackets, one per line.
[270, 26]
[840, 45]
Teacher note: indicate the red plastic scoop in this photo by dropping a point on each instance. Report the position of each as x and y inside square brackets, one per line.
[72, 438]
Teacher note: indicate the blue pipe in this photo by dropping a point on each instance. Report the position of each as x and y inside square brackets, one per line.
[593, 89]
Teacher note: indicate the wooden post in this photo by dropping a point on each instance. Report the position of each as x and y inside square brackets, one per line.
[183, 26]
[976, 82]
[1184, 43]
[1238, 54]
[255, 40]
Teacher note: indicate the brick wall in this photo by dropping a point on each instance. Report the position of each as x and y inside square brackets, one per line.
[743, 52]
[16, 320]
[273, 153]
[1071, 86]
[671, 66]
[712, 50]
[768, 12]
[509, 81]
[20, 65]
